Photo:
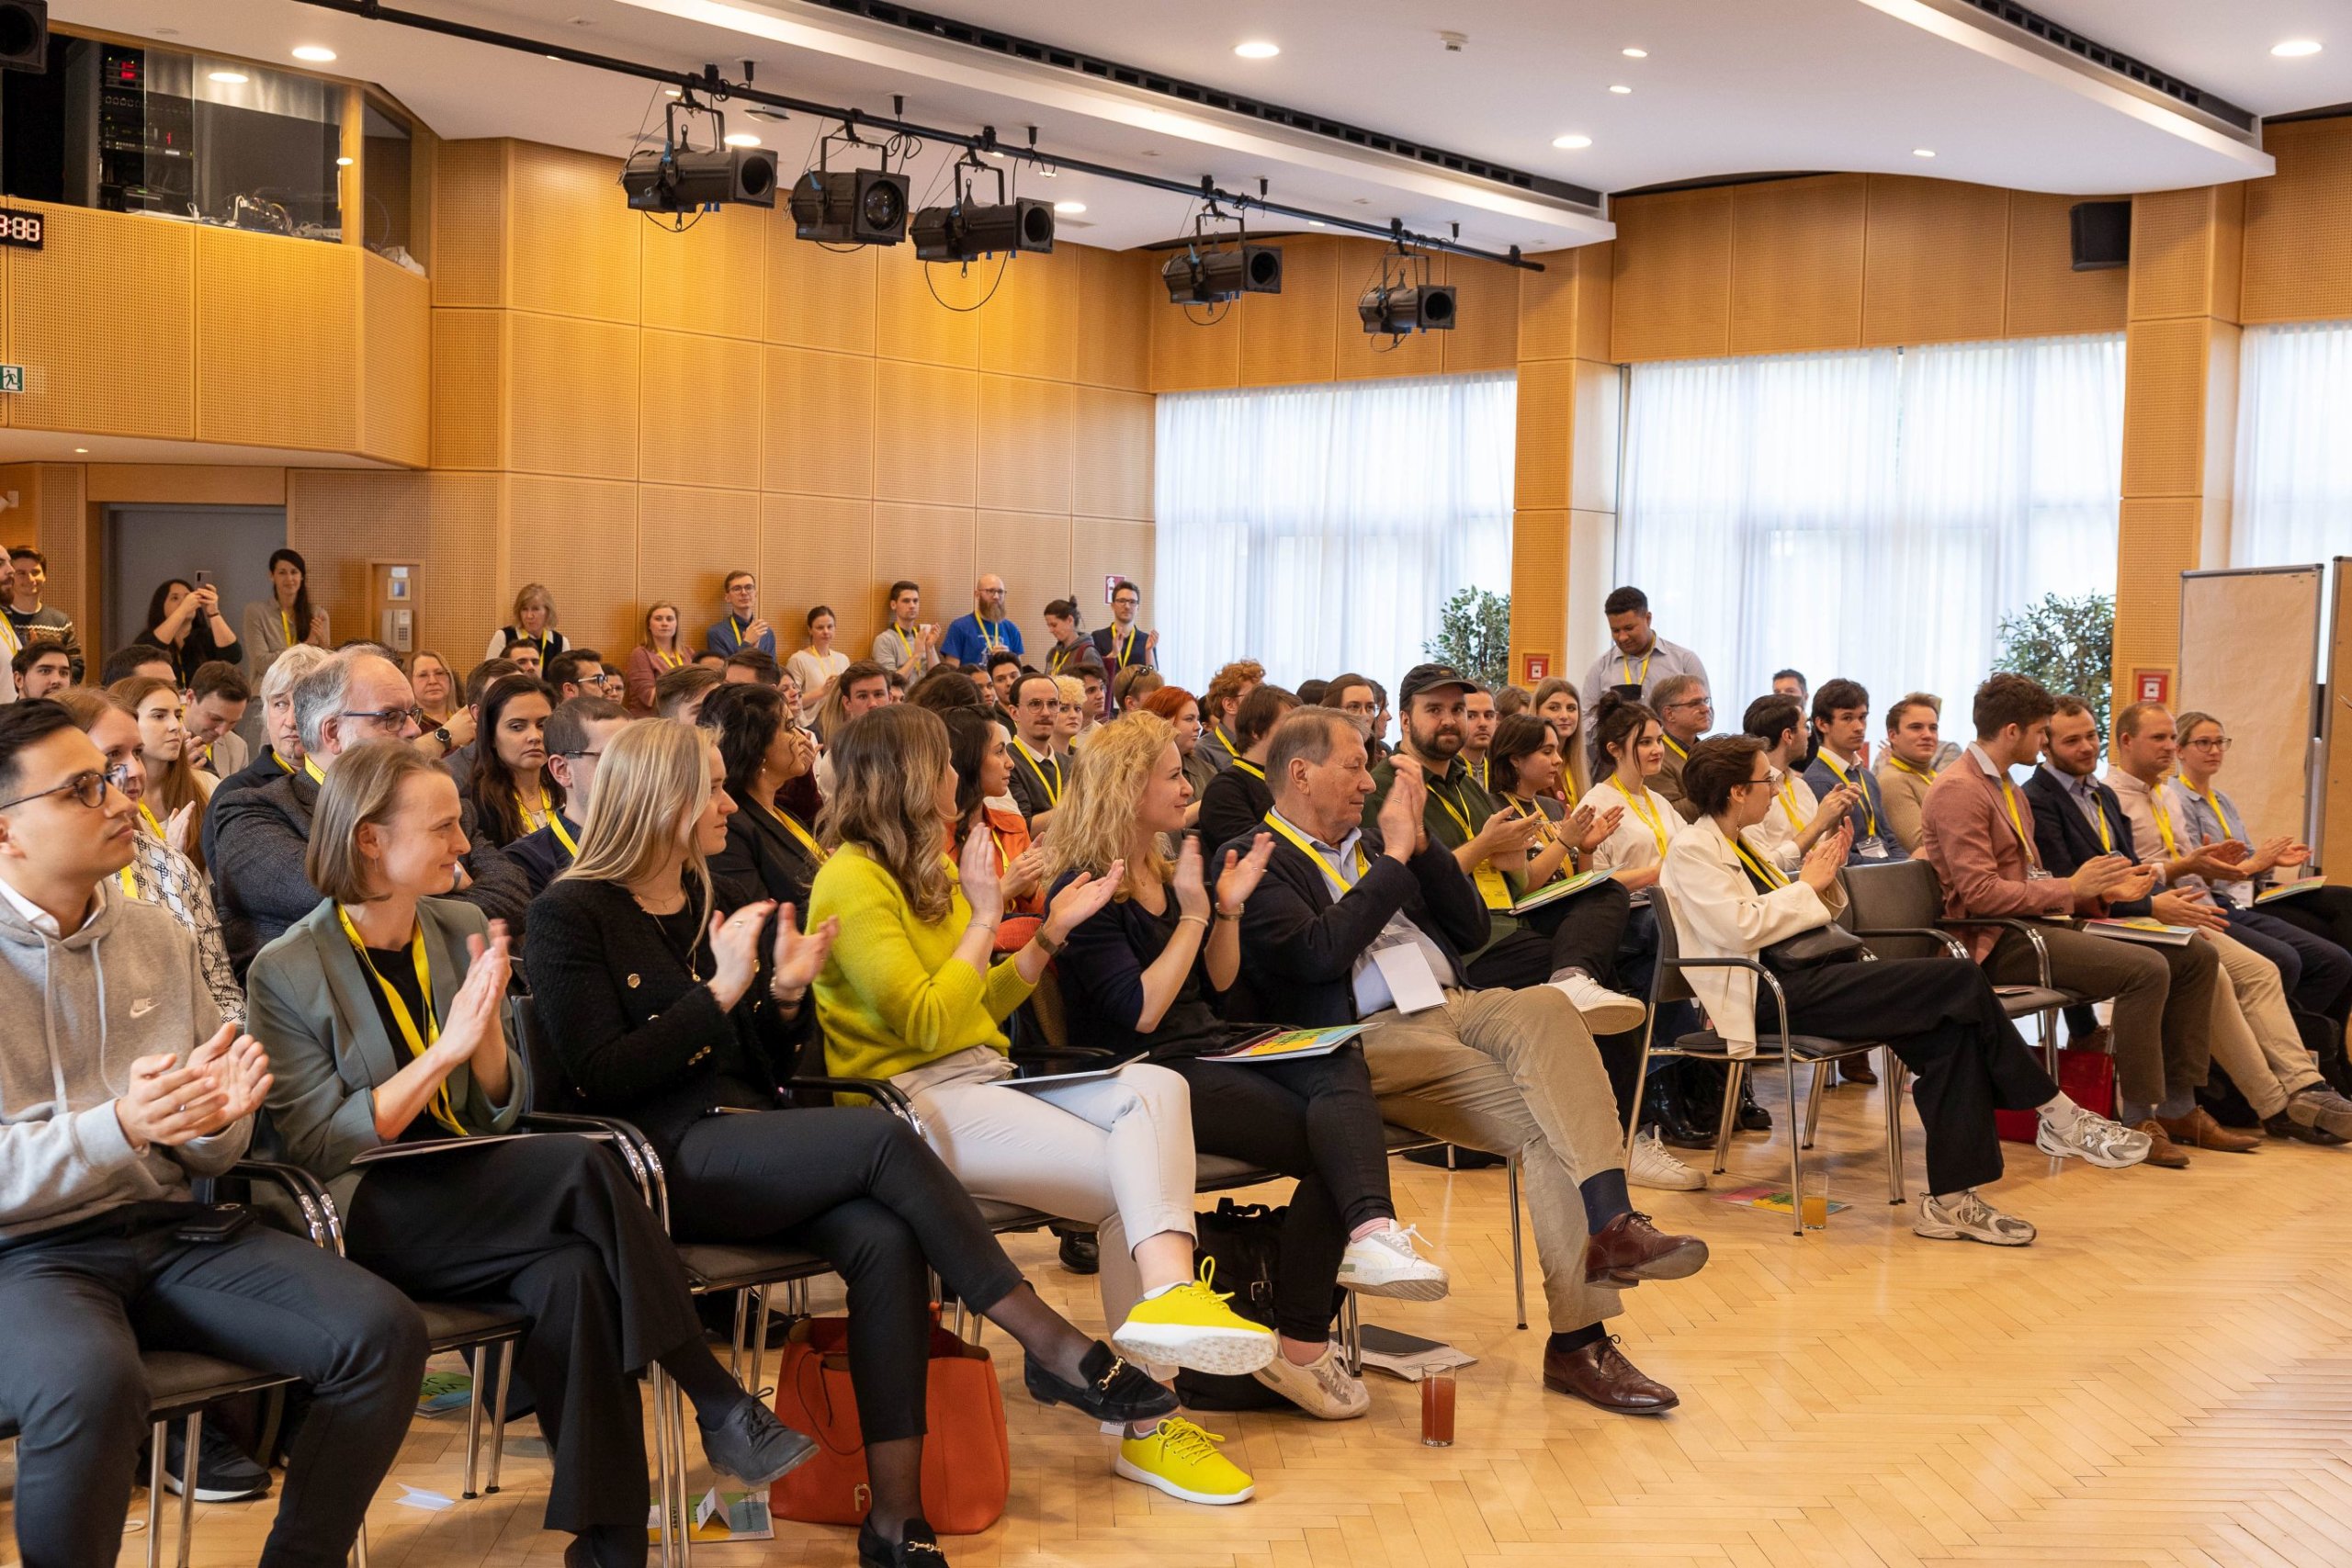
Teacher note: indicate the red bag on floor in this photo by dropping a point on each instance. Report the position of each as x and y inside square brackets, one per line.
[967, 1458]
[2089, 1079]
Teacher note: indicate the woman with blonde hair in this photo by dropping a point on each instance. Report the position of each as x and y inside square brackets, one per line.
[177, 788]
[1555, 700]
[1137, 978]
[917, 1000]
[533, 624]
[381, 1011]
[661, 647]
[668, 1007]
[446, 722]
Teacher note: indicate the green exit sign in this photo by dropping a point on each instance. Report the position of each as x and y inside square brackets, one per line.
[12, 377]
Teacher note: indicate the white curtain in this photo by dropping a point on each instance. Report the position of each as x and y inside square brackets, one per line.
[2293, 500]
[1868, 514]
[1318, 529]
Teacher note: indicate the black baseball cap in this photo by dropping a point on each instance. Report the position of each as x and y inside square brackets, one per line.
[1430, 678]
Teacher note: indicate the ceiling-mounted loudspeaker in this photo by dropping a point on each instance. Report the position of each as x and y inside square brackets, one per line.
[24, 35]
[2102, 231]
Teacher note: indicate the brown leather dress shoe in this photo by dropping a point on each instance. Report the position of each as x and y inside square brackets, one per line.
[1857, 1069]
[2162, 1150]
[2199, 1130]
[1629, 1249]
[1599, 1374]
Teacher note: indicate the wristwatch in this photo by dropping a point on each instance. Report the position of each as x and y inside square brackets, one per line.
[441, 735]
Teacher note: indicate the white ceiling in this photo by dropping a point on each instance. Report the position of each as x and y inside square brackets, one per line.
[1729, 87]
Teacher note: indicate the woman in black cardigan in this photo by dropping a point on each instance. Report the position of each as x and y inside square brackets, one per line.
[770, 847]
[665, 1012]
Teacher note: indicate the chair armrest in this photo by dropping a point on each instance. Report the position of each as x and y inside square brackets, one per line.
[1779, 996]
[889, 1096]
[1957, 948]
[307, 1191]
[1065, 1053]
[2030, 930]
[636, 1150]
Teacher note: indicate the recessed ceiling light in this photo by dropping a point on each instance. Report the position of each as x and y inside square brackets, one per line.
[1316, 223]
[1071, 208]
[227, 78]
[317, 54]
[1571, 143]
[1634, 53]
[1621, 89]
[742, 139]
[82, 450]
[672, 93]
[1256, 49]
[2295, 47]
[557, 57]
[342, 163]
[1923, 151]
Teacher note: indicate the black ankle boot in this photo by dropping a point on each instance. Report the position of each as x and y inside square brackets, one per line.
[1753, 1118]
[918, 1548]
[1702, 1093]
[1664, 1107]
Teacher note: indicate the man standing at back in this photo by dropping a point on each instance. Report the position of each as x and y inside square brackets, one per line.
[1123, 644]
[908, 644]
[1638, 658]
[742, 626]
[972, 638]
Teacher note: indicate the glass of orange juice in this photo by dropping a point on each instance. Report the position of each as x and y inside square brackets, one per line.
[1812, 1201]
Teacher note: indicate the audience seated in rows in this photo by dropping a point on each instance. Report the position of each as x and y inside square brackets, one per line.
[1238, 799]
[1906, 765]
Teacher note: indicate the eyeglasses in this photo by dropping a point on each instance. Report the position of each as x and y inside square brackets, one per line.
[89, 788]
[393, 716]
[1753, 783]
[1690, 703]
[575, 756]
[119, 775]
[2211, 743]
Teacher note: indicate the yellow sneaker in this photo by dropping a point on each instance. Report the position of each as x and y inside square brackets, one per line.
[1182, 1460]
[1190, 1325]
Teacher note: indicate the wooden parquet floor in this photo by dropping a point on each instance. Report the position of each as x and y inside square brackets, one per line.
[2164, 1378]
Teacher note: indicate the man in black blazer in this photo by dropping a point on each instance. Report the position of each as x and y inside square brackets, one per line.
[260, 834]
[1351, 926]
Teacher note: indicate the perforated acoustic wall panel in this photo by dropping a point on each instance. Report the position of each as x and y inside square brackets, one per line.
[820, 414]
[819, 297]
[1796, 276]
[1293, 336]
[104, 267]
[1028, 444]
[698, 421]
[2299, 225]
[710, 278]
[448, 524]
[469, 224]
[927, 434]
[1030, 326]
[396, 350]
[1102, 547]
[1938, 260]
[1672, 285]
[469, 389]
[931, 314]
[1114, 455]
[2046, 296]
[573, 396]
[820, 549]
[1487, 334]
[688, 538]
[1567, 453]
[554, 528]
[572, 243]
[277, 351]
[1032, 554]
[1115, 306]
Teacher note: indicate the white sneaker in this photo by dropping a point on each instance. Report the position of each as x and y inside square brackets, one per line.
[1323, 1388]
[2093, 1137]
[1969, 1218]
[1605, 1011]
[1655, 1165]
[1386, 1264]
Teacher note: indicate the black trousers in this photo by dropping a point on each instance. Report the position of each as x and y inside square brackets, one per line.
[2324, 912]
[1316, 1120]
[79, 1307]
[861, 1190]
[2313, 968]
[552, 1224]
[1583, 933]
[1942, 1017]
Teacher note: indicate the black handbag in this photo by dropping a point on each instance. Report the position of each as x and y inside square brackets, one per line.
[1245, 1241]
[1831, 943]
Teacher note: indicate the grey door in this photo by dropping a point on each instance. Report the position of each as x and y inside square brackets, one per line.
[146, 546]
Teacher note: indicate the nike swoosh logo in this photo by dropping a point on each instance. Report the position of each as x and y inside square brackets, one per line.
[141, 1007]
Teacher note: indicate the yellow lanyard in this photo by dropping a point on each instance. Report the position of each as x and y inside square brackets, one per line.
[2214, 801]
[906, 643]
[444, 1112]
[318, 774]
[740, 627]
[1061, 656]
[1914, 768]
[286, 626]
[1771, 876]
[1625, 668]
[2164, 822]
[129, 883]
[1230, 749]
[149, 817]
[792, 826]
[1481, 771]
[1052, 786]
[1252, 769]
[992, 636]
[1363, 862]
[538, 642]
[283, 766]
[555, 825]
[670, 660]
[1647, 815]
[2017, 821]
[1788, 801]
[1676, 747]
[1491, 885]
[2098, 817]
[1869, 813]
[8, 637]
[1124, 650]
[534, 820]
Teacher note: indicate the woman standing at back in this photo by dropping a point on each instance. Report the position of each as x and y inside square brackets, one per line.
[285, 618]
[533, 623]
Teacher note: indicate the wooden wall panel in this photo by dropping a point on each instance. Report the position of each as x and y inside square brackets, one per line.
[930, 545]
[396, 365]
[819, 410]
[818, 297]
[1032, 554]
[342, 519]
[1362, 354]
[2164, 410]
[698, 421]
[1115, 303]
[572, 243]
[2299, 226]
[1938, 256]
[1115, 457]
[819, 550]
[2046, 295]
[929, 313]
[1485, 331]
[1539, 588]
[550, 523]
[1194, 347]
[1547, 391]
[469, 264]
[712, 278]
[67, 307]
[688, 539]
[1796, 279]
[1293, 336]
[574, 396]
[286, 375]
[2157, 542]
[2171, 254]
[1030, 326]
[186, 484]
[1107, 546]
[926, 434]
[469, 389]
[1671, 284]
[1028, 444]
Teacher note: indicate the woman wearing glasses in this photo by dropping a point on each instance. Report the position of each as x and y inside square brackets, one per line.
[1939, 1015]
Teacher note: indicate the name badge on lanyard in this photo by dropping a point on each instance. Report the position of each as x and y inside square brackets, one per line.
[1411, 982]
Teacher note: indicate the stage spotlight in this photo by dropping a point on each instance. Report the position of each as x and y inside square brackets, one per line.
[850, 207]
[964, 232]
[688, 181]
[1424, 308]
[1196, 276]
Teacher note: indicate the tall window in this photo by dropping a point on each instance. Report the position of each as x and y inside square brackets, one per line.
[2293, 501]
[1869, 515]
[1319, 528]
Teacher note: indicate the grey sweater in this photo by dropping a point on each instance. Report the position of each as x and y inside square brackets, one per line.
[82, 1009]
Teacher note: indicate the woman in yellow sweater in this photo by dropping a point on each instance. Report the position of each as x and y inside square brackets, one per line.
[910, 995]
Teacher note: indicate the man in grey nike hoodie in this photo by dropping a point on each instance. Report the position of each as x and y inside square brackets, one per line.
[118, 1085]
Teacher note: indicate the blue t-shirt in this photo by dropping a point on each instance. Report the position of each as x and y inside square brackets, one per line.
[725, 639]
[969, 642]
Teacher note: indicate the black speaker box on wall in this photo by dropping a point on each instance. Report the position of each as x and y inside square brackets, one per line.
[2102, 235]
